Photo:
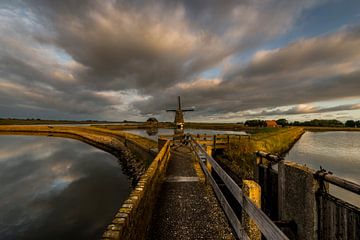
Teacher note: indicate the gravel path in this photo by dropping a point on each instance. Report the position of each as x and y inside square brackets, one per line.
[187, 209]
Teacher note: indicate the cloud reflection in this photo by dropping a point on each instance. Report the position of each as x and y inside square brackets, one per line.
[57, 188]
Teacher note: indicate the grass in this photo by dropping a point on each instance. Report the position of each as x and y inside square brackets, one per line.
[239, 157]
[4, 121]
[276, 141]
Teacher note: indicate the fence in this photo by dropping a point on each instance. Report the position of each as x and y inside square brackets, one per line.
[263, 222]
[336, 219]
[218, 141]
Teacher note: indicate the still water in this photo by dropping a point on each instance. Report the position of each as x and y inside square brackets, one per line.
[338, 152]
[54, 188]
[162, 131]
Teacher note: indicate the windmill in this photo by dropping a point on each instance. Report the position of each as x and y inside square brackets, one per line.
[179, 116]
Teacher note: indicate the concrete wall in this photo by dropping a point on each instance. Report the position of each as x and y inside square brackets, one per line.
[297, 200]
[133, 218]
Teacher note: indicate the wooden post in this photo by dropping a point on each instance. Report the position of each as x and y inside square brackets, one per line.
[214, 141]
[209, 152]
[252, 190]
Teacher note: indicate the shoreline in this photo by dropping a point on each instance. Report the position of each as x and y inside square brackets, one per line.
[105, 140]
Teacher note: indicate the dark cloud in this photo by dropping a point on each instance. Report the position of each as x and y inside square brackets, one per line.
[92, 58]
[315, 69]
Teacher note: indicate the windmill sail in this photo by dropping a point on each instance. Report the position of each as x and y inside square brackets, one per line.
[179, 116]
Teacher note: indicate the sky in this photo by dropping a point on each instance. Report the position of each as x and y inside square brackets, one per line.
[230, 60]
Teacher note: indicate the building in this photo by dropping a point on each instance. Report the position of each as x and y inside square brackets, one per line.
[152, 122]
[271, 123]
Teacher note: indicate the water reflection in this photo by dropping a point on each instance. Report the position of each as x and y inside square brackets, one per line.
[152, 131]
[338, 152]
[53, 188]
[163, 131]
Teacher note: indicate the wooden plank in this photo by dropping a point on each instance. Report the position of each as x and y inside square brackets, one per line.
[350, 186]
[338, 219]
[234, 221]
[265, 224]
[270, 157]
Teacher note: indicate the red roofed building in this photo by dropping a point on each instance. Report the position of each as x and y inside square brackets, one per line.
[271, 123]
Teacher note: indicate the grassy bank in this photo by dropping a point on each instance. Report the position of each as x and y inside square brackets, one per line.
[75, 131]
[5, 121]
[107, 140]
[216, 126]
[276, 141]
[239, 157]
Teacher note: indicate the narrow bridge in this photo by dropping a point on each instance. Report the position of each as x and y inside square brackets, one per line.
[186, 194]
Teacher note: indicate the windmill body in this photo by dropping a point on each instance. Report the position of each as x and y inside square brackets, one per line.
[179, 116]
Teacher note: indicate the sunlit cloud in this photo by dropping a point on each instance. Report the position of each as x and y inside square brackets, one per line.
[117, 60]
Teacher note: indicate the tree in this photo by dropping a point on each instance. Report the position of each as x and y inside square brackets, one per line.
[350, 123]
[255, 123]
[283, 122]
[357, 123]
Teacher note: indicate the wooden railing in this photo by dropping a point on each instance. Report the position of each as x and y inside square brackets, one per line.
[270, 157]
[263, 222]
[218, 141]
[336, 218]
[320, 175]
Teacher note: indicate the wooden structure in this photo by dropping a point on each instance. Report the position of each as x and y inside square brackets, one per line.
[267, 227]
[218, 141]
[179, 116]
[334, 218]
[271, 123]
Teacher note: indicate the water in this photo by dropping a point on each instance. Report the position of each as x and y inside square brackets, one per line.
[54, 188]
[338, 152]
[162, 131]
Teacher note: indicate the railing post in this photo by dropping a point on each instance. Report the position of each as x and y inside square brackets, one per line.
[252, 190]
[209, 152]
[215, 141]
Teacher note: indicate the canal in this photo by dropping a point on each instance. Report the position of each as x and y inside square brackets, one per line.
[148, 133]
[338, 152]
[56, 188]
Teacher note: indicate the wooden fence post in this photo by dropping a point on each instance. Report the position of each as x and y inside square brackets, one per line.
[252, 190]
[209, 152]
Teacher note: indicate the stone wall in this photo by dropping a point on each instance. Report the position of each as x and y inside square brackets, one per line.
[147, 155]
[132, 220]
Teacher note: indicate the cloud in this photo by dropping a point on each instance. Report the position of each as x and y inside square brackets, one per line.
[49, 178]
[305, 109]
[308, 70]
[130, 58]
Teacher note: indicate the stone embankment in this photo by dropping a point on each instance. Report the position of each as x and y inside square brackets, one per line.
[134, 152]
